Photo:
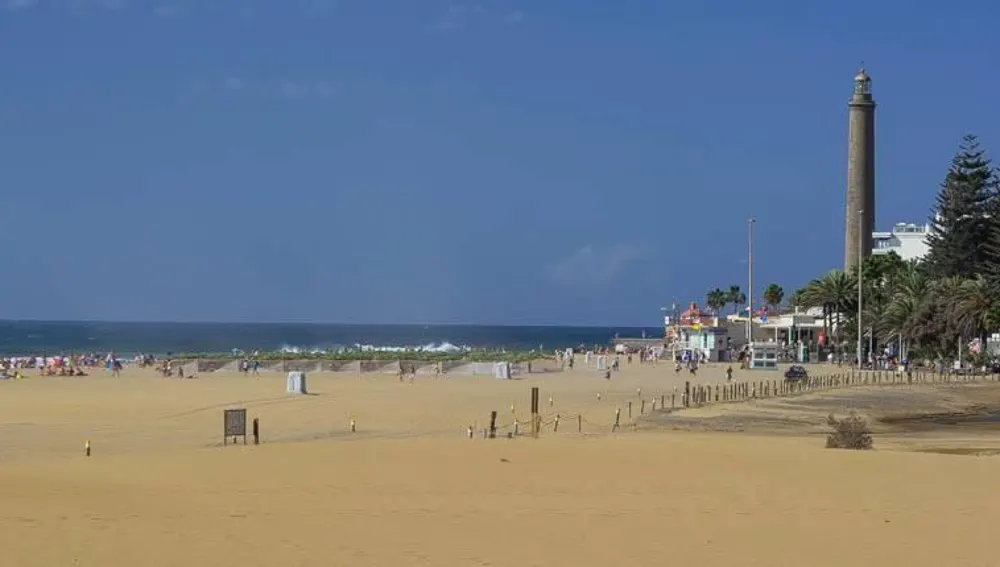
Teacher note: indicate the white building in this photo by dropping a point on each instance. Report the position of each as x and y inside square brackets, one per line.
[908, 240]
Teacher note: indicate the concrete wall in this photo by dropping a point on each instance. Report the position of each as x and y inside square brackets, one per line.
[231, 366]
[209, 365]
[448, 366]
[206, 365]
[338, 366]
[421, 367]
[472, 368]
[300, 366]
[537, 367]
[379, 366]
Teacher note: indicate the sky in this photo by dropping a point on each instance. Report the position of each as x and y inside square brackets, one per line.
[457, 161]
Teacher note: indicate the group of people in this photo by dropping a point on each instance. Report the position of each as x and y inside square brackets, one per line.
[17, 367]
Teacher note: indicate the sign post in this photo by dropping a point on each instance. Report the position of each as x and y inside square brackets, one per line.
[234, 425]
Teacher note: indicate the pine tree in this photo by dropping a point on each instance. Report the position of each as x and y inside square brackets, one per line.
[962, 231]
[992, 246]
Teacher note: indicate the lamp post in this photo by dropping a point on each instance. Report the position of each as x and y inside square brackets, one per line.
[668, 322]
[861, 240]
[750, 222]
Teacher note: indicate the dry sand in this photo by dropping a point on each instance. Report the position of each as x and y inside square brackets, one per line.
[409, 489]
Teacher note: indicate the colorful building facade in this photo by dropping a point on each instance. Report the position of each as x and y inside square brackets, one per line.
[699, 334]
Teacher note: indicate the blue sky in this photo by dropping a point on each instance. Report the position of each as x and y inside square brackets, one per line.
[478, 161]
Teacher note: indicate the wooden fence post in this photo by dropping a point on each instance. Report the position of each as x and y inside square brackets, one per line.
[535, 421]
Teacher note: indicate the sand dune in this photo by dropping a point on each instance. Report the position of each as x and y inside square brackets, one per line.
[409, 489]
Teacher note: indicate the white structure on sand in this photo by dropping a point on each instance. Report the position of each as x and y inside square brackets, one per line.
[296, 383]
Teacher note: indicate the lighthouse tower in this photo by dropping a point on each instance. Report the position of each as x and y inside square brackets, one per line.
[860, 173]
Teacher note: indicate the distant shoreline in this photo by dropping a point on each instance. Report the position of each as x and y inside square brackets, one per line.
[27, 338]
[611, 328]
[376, 355]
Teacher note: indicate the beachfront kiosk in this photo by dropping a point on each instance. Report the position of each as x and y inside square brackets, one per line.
[697, 335]
[763, 356]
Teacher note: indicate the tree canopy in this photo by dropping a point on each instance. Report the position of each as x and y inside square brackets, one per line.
[961, 222]
[951, 297]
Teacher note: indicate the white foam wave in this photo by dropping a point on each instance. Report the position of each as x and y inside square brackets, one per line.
[444, 346]
[300, 350]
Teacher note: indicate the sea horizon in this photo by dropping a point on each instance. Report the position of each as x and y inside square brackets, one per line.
[338, 323]
[33, 337]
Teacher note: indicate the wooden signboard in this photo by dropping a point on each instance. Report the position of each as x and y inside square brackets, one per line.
[234, 425]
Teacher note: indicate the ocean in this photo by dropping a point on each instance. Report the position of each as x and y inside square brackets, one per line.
[18, 338]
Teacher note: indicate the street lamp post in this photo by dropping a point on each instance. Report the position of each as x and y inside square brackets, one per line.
[861, 240]
[750, 222]
[670, 321]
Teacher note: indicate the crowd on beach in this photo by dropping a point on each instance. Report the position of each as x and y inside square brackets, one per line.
[17, 367]
[612, 356]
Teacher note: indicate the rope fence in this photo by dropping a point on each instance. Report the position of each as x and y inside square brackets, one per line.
[691, 395]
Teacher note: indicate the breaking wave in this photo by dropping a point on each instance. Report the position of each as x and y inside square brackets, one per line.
[430, 347]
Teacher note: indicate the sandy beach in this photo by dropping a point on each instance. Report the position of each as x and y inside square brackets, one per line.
[409, 488]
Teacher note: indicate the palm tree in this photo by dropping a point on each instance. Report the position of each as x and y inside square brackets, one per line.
[716, 300]
[911, 291]
[836, 293]
[930, 318]
[975, 308]
[736, 297]
[950, 324]
[773, 296]
[877, 299]
[795, 300]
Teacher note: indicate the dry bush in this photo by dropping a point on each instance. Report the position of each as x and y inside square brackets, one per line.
[849, 433]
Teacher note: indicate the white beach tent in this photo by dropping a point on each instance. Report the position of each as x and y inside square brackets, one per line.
[501, 370]
[296, 383]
